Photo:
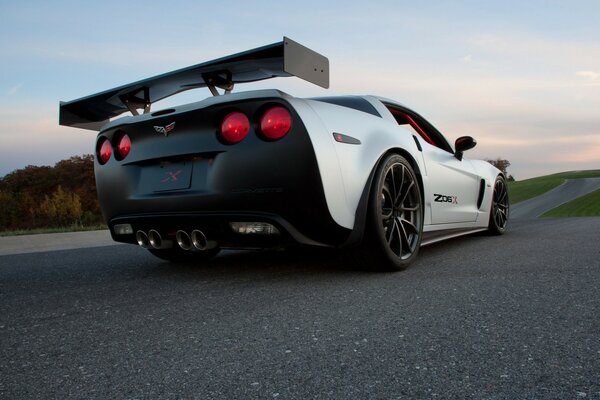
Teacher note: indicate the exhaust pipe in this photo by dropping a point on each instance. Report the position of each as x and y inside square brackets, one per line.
[156, 241]
[183, 240]
[200, 241]
[142, 239]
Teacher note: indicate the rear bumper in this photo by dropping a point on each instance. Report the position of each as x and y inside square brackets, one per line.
[216, 227]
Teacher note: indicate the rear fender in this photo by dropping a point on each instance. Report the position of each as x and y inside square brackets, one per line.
[346, 168]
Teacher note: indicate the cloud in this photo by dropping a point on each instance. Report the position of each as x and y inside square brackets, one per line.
[586, 155]
[526, 50]
[14, 90]
[588, 74]
[35, 138]
[467, 59]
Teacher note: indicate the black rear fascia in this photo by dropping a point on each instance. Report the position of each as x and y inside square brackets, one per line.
[278, 179]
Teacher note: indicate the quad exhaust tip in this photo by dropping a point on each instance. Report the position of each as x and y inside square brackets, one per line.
[155, 239]
[200, 241]
[183, 240]
[196, 241]
[157, 242]
[152, 240]
[142, 239]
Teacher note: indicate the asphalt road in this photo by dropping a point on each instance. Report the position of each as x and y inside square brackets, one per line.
[569, 190]
[54, 241]
[512, 317]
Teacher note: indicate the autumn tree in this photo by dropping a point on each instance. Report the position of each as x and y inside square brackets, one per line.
[61, 208]
[72, 173]
[502, 165]
[32, 177]
[10, 214]
[44, 196]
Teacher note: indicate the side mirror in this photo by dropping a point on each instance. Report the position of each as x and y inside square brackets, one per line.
[463, 144]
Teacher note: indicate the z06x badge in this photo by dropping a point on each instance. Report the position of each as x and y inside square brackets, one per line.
[441, 198]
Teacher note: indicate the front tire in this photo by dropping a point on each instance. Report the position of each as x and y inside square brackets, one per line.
[394, 225]
[499, 211]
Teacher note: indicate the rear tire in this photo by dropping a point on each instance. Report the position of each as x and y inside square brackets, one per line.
[394, 225]
[500, 209]
[177, 255]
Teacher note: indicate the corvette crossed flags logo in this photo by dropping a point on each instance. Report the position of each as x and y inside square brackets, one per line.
[165, 130]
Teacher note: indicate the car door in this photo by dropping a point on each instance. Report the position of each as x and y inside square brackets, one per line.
[453, 186]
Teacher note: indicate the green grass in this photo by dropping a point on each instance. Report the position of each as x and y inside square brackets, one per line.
[584, 206]
[52, 230]
[529, 188]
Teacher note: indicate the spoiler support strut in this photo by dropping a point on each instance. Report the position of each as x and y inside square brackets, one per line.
[134, 103]
[216, 80]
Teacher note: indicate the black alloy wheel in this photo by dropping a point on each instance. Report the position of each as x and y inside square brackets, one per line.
[499, 211]
[394, 218]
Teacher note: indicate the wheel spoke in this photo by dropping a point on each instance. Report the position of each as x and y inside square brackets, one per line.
[500, 194]
[409, 230]
[500, 217]
[393, 179]
[397, 204]
[390, 230]
[404, 238]
[410, 209]
[399, 193]
[503, 215]
[399, 236]
[504, 196]
[501, 221]
[395, 238]
[407, 224]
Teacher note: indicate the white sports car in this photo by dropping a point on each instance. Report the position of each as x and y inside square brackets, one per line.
[264, 169]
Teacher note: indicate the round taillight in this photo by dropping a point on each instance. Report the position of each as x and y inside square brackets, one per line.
[276, 123]
[123, 146]
[235, 127]
[104, 150]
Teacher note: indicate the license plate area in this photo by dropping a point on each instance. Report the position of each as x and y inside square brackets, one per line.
[167, 176]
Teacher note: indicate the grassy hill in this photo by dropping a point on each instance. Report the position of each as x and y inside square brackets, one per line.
[585, 206]
[528, 188]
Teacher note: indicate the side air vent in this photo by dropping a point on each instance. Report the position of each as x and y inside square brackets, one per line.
[417, 143]
[481, 193]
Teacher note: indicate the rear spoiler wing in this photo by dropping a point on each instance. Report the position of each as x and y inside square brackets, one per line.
[285, 58]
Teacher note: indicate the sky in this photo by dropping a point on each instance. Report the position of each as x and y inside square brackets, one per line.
[522, 77]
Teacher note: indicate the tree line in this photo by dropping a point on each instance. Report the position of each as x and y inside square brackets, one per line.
[50, 197]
